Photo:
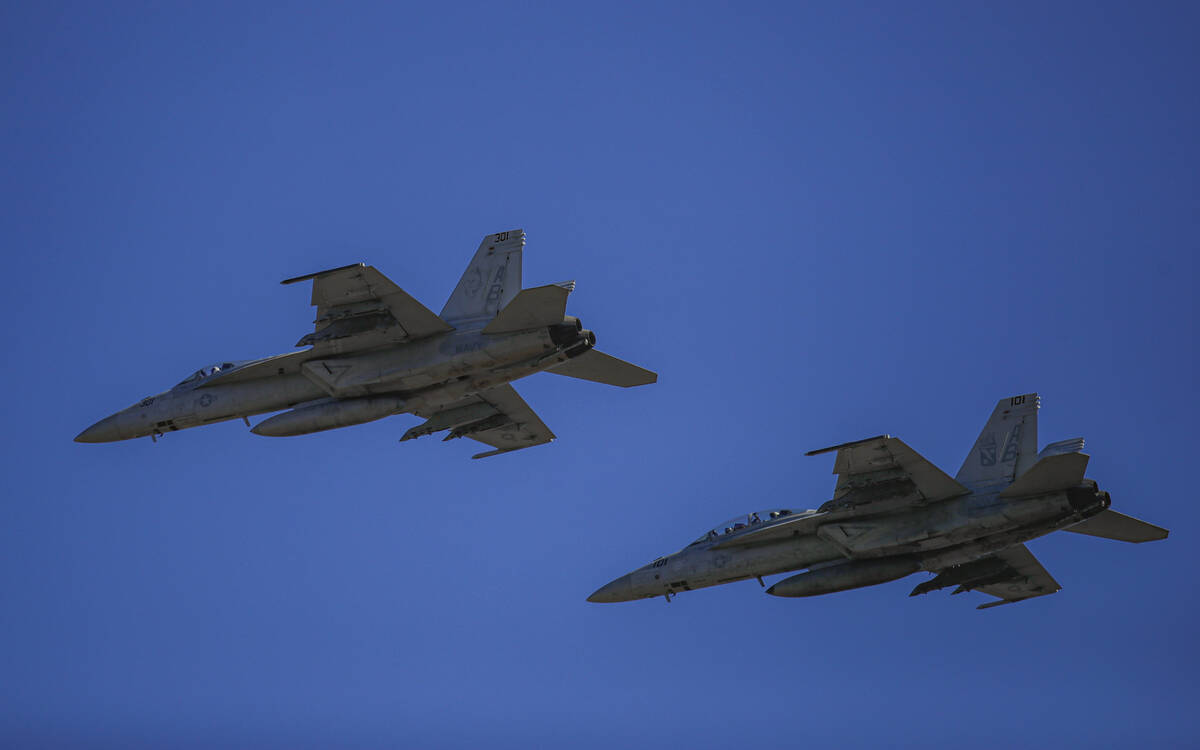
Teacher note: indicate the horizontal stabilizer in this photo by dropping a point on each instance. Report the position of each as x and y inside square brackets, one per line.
[599, 367]
[538, 307]
[1110, 524]
[1051, 474]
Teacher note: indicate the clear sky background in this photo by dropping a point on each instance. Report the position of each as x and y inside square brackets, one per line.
[818, 222]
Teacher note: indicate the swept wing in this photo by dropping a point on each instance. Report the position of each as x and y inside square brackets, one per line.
[359, 308]
[498, 417]
[881, 473]
[1012, 575]
[883, 470]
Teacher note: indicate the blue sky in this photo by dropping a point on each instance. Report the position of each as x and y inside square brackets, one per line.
[817, 222]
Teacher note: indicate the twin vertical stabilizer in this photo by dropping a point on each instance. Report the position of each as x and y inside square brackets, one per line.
[1007, 447]
[491, 280]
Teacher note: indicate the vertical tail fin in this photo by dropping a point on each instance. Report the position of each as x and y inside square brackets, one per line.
[1007, 447]
[491, 280]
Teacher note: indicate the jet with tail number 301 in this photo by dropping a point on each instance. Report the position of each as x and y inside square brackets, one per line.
[893, 513]
[376, 352]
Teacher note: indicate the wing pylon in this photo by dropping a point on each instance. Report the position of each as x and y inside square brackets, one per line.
[1012, 575]
[498, 417]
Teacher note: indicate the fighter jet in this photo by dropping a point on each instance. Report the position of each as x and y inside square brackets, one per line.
[894, 513]
[376, 352]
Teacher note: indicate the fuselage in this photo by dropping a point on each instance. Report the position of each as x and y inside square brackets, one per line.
[329, 390]
[851, 548]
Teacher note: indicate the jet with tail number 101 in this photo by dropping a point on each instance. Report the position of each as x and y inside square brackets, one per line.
[893, 513]
[376, 352]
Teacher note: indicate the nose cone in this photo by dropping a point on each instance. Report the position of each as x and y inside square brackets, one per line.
[106, 430]
[620, 590]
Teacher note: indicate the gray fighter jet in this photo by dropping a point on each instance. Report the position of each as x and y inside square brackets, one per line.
[376, 351]
[893, 513]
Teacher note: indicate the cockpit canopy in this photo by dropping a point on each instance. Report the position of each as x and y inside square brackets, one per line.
[742, 522]
[206, 372]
